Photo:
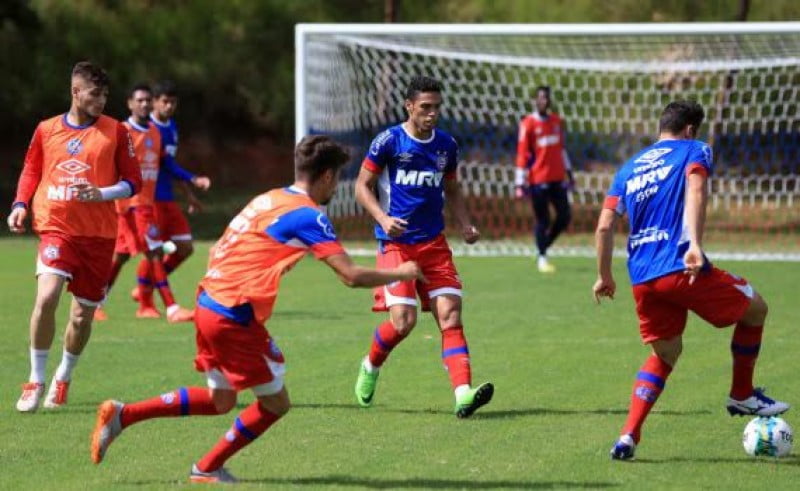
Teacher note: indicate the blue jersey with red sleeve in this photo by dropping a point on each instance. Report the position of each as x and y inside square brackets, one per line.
[411, 182]
[651, 188]
[169, 168]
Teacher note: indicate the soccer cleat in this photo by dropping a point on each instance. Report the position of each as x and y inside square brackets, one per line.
[624, 448]
[147, 313]
[756, 405]
[31, 397]
[135, 294]
[220, 475]
[180, 315]
[365, 386]
[100, 314]
[107, 427]
[471, 400]
[57, 395]
[544, 265]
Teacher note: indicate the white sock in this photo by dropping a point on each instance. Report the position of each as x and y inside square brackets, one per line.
[461, 390]
[542, 259]
[68, 362]
[38, 365]
[368, 366]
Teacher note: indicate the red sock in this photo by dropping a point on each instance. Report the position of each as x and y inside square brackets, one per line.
[186, 401]
[144, 283]
[383, 342]
[455, 355]
[649, 384]
[745, 345]
[159, 278]
[116, 266]
[172, 261]
[250, 424]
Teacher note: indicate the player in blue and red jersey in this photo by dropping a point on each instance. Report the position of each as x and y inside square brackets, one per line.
[236, 296]
[663, 188]
[543, 171]
[172, 223]
[413, 165]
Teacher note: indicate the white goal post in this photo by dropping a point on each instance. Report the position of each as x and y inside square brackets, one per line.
[609, 83]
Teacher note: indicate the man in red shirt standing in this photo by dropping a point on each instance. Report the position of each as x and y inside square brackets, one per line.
[77, 164]
[543, 171]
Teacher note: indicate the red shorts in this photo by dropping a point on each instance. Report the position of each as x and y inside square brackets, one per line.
[436, 261]
[172, 222]
[246, 356]
[84, 261]
[137, 231]
[717, 296]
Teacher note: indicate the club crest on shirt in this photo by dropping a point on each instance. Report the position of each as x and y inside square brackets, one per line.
[441, 160]
[168, 397]
[74, 146]
[148, 142]
[51, 252]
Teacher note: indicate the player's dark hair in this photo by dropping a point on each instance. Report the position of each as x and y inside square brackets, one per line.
[91, 72]
[420, 84]
[679, 114]
[165, 87]
[543, 88]
[315, 154]
[138, 87]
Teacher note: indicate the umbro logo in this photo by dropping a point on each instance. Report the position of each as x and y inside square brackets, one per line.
[73, 167]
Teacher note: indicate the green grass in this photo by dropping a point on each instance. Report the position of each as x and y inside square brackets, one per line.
[562, 369]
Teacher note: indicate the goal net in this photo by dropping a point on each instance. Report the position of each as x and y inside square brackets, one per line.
[609, 84]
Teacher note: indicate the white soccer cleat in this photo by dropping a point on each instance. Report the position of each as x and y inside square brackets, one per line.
[544, 265]
[756, 405]
[220, 475]
[107, 427]
[31, 397]
[57, 395]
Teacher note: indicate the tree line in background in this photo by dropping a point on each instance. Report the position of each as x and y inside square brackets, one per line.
[233, 60]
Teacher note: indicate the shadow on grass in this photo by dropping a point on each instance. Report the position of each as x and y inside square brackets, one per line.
[409, 483]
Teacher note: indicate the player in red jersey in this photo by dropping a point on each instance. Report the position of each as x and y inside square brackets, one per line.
[76, 165]
[664, 190]
[236, 296]
[138, 231]
[544, 172]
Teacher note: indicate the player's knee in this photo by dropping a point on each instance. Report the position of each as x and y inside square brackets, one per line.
[450, 319]
[47, 301]
[405, 321]
[184, 249]
[756, 314]
[224, 401]
[668, 350]
[81, 318]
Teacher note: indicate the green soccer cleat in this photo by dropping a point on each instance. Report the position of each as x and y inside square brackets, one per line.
[365, 386]
[471, 400]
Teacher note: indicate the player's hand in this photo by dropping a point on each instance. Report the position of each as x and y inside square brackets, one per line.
[519, 192]
[195, 205]
[411, 271]
[201, 182]
[87, 192]
[693, 262]
[471, 234]
[393, 226]
[16, 219]
[604, 287]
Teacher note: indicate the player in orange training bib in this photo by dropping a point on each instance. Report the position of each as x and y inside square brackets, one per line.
[234, 349]
[76, 165]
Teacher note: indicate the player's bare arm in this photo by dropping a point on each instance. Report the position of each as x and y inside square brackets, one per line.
[455, 200]
[365, 195]
[356, 276]
[604, 243]
[696, 198]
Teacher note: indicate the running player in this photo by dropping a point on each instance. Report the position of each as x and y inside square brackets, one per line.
[138, 231]
[236, 298]
[77, 163]
[544, 172]
[413, 165]
[663, 188]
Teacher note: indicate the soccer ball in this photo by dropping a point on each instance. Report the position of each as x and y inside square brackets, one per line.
[169, 247]
[770, 436]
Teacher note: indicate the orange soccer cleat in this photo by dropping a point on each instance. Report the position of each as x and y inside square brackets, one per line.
[100, 314]
[147, 313]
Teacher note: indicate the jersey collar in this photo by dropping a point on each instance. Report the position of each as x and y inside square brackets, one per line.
[136, 125]
[433, 135]
[159, 123]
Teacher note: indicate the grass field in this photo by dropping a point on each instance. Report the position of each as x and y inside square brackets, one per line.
[562, 368]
